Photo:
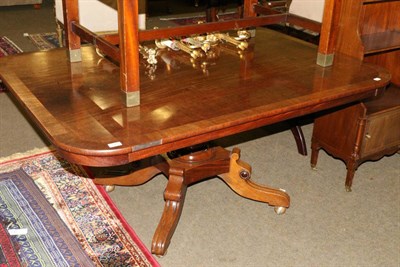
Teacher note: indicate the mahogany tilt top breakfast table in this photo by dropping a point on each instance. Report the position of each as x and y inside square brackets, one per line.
[182, 105]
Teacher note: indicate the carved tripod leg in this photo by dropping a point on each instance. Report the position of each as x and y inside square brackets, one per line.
[174, 196]
[238, 179]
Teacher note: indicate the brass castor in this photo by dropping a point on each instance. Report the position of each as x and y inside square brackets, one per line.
[314, 167]
[109, 188]
[163, 255]
[280, 210]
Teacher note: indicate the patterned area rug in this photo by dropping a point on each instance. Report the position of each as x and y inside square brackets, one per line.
[7, 47]
[85, 208]
[44, 41]
[8, 249]
[40, 236]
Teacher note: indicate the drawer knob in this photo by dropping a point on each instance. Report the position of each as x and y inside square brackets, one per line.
[368, 136]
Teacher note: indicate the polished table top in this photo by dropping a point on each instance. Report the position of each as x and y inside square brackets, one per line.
[79, 106]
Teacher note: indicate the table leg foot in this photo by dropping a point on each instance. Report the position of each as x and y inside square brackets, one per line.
[109, 188]
[174, 196]
[238, 179]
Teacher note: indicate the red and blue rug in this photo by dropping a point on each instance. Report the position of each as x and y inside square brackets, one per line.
[86, 209]
[38, 235]
[7, 47]
[8, 248]
[44, 41]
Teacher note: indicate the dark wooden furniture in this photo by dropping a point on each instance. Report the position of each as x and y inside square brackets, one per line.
[78, 107]
[369, 31]
[118, 47]
[364, 131]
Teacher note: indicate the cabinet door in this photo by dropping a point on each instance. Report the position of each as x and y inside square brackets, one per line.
[382, 132]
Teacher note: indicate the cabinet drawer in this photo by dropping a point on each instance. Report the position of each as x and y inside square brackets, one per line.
[382, 131]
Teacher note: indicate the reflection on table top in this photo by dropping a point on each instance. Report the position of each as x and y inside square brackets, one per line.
[78, 105]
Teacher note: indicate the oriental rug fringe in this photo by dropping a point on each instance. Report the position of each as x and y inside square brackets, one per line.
[85, 208]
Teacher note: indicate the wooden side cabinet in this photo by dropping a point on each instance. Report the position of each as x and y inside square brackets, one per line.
[364, 131]
[368, 30]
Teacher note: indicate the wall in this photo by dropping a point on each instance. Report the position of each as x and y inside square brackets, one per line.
[311, 9]
[97, 16]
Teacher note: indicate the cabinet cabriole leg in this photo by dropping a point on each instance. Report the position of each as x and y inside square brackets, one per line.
[351, 169]
[314, 155]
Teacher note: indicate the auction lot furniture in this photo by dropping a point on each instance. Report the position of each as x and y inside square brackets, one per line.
[369, 31]
[364, 131]
[170, 112]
